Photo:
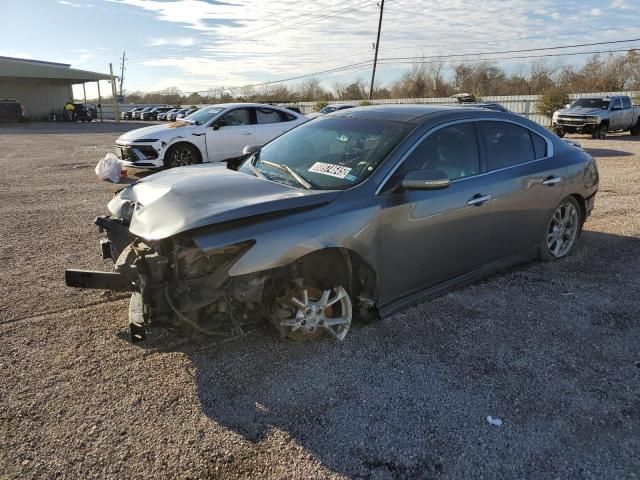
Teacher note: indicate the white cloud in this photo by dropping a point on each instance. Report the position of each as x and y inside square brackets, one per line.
[622, 5]
[69, 4]
[182, 41]
[231, 43]
[16, 54]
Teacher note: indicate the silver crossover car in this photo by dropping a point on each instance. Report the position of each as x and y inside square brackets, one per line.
[349, 216]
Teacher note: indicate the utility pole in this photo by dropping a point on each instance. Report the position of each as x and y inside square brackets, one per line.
[375, 59]
[122, 71]
[116, 109]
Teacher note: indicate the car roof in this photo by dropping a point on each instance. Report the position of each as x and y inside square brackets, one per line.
[240, 104]
[410, 113]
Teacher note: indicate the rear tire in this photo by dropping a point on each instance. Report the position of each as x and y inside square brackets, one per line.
[181, 155]
[562, 230]
[559, 131]
[635, 130]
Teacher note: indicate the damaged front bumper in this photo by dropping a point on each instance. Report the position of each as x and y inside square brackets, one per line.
[174, 282]
[144, 155]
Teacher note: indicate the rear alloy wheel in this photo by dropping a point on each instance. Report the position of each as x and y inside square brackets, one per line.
[181, 155]
[562, 230]
[600, 131]
[310, 311]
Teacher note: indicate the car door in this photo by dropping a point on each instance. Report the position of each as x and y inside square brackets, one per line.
[616, 115]
[271, 123]
[526, 184]
[229, 134]
[427, 237]
[626, 117]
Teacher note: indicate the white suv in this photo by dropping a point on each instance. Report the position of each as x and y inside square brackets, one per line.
[212, 134]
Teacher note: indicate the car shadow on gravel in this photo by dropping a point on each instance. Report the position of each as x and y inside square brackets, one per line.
[607, 152]
[408, 396]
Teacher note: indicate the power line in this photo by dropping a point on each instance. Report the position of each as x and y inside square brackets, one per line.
[567, 54]
[416, 60]
[521, 50]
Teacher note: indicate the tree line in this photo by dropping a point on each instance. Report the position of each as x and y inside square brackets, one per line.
[600, 73]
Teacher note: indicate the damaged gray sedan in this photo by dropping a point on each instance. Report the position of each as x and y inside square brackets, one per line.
[350, 216]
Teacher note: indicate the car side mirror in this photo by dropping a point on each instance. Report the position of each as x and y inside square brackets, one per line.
[424, 180]
[250, 149]
[218, 124]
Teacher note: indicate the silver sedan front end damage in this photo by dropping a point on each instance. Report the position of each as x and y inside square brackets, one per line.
[173, 282]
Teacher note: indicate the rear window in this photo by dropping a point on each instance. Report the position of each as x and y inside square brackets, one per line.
[507, 144]
[626, 102]
[539, 145]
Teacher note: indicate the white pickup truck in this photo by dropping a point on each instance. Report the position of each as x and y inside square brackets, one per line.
[212, 134]
[597, 116]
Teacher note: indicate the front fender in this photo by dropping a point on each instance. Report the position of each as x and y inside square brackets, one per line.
[282, 241]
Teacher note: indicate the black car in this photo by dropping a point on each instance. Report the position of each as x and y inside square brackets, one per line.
[153, 114]
[81, 112]
[11, 111]
[128, 115]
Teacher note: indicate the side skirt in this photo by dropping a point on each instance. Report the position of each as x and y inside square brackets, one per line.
[393, 306]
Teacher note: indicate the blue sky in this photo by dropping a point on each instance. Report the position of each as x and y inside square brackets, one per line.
[197, 45]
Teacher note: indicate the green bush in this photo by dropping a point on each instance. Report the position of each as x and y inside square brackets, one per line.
[552, 99]
[319, 106]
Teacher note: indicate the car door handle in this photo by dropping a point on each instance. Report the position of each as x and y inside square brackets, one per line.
[246, 133]
[478, 199]
[552, 181]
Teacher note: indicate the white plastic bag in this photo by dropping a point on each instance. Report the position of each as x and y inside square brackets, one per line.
[109, 168]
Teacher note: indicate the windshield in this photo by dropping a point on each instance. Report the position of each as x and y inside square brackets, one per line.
[600, 103]
[200, 117]
[328, 153]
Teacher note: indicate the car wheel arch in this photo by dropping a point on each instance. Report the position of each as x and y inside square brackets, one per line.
[350, 267]
[583, 205]
[178, 141]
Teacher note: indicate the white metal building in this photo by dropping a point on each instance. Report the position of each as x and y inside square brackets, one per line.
[41, 86]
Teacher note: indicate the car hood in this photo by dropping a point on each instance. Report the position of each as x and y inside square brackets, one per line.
[581, 111]
[157, 131]
[182, 199]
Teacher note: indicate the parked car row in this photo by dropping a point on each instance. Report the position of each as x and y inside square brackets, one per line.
[354, 214]
[157, 112]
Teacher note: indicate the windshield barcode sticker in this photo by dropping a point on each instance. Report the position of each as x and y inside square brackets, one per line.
[337, 171]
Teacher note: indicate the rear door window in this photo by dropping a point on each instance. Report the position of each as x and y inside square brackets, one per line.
[508, 144]
[626, 102]
[539, 145]
[267, 115]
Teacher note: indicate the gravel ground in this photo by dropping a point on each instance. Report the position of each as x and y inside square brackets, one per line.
[551, 349]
